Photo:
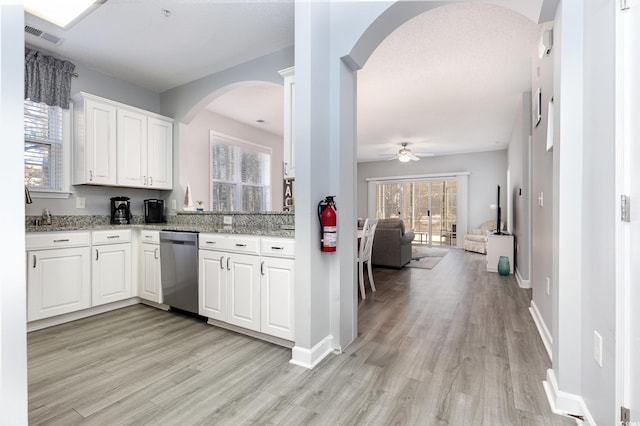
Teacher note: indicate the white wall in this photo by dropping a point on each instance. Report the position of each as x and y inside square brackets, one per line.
[598, 209]
[520, 185]
[195, 158]
[486, 171]
[13, 345]
[542, 182]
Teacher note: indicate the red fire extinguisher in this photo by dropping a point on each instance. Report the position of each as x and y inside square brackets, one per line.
[328, 229]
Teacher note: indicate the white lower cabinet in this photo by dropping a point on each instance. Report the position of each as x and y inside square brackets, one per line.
[240, 287]
[277, 297]
[497, 246]
[243, 291]
[229, 288]
[212, 284]
[58, 273]
[111, 268]
[149, 282]
[58, 282]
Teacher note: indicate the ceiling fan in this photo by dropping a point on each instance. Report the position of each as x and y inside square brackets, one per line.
[405, 155]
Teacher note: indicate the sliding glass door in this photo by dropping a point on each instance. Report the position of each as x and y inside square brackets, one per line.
[427, 207]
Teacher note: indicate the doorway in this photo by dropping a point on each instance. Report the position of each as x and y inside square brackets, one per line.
[428, 207]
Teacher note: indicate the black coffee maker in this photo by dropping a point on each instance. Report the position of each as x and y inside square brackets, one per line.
[120, 210]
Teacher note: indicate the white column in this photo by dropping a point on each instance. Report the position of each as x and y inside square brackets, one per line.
[13, 342]
[315, 162]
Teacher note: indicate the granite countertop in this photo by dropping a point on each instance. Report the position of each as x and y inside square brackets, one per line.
[245, 224]
[167, 226]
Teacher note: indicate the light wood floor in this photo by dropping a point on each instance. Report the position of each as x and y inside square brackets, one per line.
[454, 345]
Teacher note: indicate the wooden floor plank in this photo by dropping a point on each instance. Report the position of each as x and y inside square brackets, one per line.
[453, 345]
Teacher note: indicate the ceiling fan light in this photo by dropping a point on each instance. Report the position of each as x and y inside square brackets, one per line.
[404, 157]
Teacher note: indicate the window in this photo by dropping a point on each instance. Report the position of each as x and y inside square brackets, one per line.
[43, 153]
[240, 175]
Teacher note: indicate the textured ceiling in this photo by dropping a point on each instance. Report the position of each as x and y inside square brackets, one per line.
[447, 81]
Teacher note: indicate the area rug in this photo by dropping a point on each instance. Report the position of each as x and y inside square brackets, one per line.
[426, 257]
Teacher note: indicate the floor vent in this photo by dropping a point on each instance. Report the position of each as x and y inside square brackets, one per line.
[41, 34]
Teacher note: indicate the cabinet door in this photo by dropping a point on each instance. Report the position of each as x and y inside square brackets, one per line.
[499, 245]
[160, 154]
[111, 273]
[277, 297]
[100, 155]
[243, 291]
[132, 148]
[150, 284]
[58, 282]
[212, 284]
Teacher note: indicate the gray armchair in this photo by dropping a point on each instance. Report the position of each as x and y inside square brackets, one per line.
[391, 244]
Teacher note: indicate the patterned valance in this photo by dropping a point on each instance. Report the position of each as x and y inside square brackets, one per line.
[47, 79]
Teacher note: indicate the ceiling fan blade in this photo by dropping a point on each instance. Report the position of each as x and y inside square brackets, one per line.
[389, 156]
[414, 157]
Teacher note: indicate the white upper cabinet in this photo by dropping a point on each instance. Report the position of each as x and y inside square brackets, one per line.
[132, 148]
[160, 153]
[94, 148]
[144, 151]
[289, 120]
[119, 145]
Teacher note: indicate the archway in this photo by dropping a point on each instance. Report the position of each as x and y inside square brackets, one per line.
[225, 112]
[329, 51]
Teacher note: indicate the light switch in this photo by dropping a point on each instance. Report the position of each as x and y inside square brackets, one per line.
[541, 199]
[80, 202]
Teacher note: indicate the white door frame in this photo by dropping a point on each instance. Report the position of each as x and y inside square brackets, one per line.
[626, 391]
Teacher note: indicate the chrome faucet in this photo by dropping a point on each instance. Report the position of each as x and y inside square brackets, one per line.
[27, 195]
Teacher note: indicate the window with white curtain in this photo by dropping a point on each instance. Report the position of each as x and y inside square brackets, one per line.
[240, 175]
[43, 146]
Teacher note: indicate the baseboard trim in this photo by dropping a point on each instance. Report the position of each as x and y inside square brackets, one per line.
[309, 358]
[251, 333]
[543, 331]
[156, 305]
[522, 282]
[565, 403]
[72, 316]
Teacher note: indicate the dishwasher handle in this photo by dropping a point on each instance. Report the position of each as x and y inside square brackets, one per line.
[179, 237]
[179, 242]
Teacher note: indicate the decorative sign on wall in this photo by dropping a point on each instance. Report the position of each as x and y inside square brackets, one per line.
[288, 200]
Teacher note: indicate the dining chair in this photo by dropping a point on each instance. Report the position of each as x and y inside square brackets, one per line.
[364, 254]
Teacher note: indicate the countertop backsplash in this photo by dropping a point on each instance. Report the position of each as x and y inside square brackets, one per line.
[262, 223]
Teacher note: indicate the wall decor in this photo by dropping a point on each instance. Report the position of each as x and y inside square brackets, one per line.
[289, 204]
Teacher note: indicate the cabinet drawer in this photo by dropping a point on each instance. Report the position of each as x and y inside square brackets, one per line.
[151, 237]
[233, 243]
[111, 236]
[277, 247]
[48, 240]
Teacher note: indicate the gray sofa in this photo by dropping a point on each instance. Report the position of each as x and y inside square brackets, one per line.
[391, 244]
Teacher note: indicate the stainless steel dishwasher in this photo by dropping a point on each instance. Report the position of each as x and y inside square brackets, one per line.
[179, 269]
